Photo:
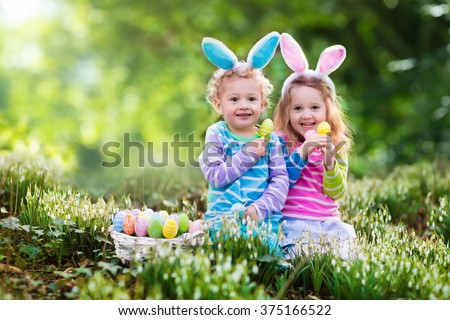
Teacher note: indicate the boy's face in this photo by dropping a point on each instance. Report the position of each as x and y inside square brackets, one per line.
[307, 109]
[241, 104]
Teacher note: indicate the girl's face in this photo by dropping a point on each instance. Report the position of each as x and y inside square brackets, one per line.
[240, 102]
[307, 109]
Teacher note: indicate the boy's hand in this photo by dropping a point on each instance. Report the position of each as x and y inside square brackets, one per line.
[258, 146]
[251, 213]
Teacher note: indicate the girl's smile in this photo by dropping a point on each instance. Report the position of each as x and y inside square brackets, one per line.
[307, 109]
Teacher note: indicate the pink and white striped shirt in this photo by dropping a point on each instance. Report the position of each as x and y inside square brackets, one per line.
[313, 190]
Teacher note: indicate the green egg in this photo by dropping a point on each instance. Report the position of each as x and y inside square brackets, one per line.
[155, 228]
[183, 222]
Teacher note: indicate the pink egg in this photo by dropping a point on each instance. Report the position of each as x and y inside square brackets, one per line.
[141, 225]
[310, 133]
[195, 226]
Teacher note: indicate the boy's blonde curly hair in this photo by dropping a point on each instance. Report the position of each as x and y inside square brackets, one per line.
[220, 77]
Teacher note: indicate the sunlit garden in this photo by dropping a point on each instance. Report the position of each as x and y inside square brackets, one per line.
[102, 109]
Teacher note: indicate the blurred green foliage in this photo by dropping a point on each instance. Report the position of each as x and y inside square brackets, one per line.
[88, 71]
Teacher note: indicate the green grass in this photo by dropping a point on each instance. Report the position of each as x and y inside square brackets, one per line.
[54, 244]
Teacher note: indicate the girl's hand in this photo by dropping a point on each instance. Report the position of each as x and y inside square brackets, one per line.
[319, 141]
[315, 141]
[329, 154]
[251, 213]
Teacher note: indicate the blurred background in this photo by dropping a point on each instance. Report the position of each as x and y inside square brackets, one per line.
[76, 76]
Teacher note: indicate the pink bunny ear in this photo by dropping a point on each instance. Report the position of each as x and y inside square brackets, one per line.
[330, 59]
[292, 53]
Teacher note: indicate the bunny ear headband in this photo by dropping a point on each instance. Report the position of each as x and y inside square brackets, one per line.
[258, 57]
[330, 59]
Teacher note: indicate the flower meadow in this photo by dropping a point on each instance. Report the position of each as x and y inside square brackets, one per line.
[55, 244]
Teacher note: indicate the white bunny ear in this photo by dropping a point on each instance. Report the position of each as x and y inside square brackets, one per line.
[330, 59]
[293, 54]
[218, 53]
[263, 51]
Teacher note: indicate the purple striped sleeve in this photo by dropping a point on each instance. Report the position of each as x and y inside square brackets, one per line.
[220, 169]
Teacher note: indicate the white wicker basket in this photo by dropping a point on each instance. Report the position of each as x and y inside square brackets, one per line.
[132, 247]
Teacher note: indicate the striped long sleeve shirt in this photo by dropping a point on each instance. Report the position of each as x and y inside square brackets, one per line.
[313, 191]
[235, 175]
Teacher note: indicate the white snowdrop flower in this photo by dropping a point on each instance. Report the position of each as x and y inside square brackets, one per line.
[255, 269]
[333, 262]
[197, 294]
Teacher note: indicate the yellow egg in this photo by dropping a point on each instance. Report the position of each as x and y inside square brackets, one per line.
[265, 129]
[170, 229]
[323, 128]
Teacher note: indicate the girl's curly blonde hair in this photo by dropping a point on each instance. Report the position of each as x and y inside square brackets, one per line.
[221, 76]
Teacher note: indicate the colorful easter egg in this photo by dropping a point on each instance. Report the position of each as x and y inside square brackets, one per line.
[173, 216]
[170, 229]
[141, 225]
[148, 211]
[183, 223]
[265, 129]
[164, 214]
[157, 216]
[238, 209]
[196, 225]
[309, 133]
[118, 221]
[129, 222]
[323, 128]
[155, 227]
[135, 212]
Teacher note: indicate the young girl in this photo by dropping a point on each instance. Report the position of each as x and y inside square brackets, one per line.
[238, 166]
[316, 163]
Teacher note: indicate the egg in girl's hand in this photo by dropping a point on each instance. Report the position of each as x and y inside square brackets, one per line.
[170, 229]
[196, 226]
[141, 225]
[118, 221]
[129, 222]
[183, 223]
[323, 128]
[155, 227]
[309, 133]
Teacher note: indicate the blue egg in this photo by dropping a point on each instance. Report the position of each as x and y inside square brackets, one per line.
[148, 211]
[118, 220]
